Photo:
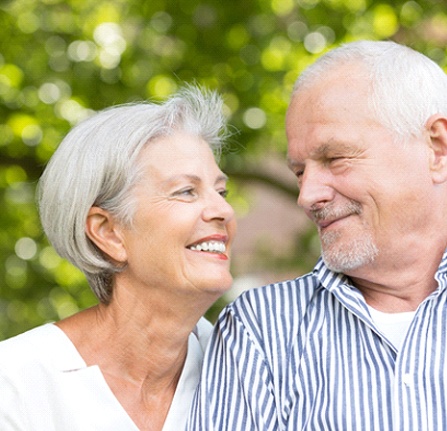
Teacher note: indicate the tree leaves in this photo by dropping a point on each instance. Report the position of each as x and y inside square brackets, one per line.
[62, 60]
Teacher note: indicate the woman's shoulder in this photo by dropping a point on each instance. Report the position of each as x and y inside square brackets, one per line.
[26, 340]
[203, 331]
[34, 346]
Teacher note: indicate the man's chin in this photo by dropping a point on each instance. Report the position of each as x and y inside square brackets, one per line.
[350, 258]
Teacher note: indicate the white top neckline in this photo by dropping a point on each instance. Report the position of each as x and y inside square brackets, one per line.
[44, 376]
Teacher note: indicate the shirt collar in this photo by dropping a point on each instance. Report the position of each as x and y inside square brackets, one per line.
[441, 275]
[329, 279]
[341, 286]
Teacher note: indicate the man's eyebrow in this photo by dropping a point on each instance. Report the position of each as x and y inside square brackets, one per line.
[323, 149]
[332, 146]
[293, 163]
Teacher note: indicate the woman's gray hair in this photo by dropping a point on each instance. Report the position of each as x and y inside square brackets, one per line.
[406, 87]
[97, 165]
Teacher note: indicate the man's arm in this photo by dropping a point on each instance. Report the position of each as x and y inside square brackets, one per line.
[236, 388]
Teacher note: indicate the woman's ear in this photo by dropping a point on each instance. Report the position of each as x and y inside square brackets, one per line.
[105, 233]
[437, 129]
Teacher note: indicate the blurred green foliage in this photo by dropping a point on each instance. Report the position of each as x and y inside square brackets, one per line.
[61, 60]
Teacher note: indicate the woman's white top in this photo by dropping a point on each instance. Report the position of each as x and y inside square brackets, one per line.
[45, 385]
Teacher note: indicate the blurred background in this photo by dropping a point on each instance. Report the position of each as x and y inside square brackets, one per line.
[62, 60]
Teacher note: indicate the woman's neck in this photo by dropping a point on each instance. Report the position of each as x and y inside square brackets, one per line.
[140, 348]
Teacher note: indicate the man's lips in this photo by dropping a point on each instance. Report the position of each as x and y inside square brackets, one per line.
[327, 216]
[323, 224]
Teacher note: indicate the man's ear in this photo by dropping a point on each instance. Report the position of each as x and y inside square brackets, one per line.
[105, 233]
[437, 130]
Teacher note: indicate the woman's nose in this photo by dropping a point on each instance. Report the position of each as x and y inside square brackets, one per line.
[218, 208]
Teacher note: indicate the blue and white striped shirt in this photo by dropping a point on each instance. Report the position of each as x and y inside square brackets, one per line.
[305, 355]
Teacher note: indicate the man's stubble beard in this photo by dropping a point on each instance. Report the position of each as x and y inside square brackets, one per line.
[343, 255]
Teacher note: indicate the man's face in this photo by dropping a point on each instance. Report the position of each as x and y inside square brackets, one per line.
[365, 191]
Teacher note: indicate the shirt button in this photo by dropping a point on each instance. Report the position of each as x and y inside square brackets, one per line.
[406, 379]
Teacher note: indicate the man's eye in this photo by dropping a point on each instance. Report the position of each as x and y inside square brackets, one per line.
[299, 175]
[333, 160]
[339, 164]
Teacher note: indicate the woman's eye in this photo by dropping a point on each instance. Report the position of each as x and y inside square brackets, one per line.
[190, 191]
[223, 193]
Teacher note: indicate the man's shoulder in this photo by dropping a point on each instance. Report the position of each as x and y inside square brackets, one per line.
[294, 291]
[271, 316]
[266, 303]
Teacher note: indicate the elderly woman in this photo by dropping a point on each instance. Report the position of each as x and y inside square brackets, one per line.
[134, 198]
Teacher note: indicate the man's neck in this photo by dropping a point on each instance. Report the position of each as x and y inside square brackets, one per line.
[397, 286]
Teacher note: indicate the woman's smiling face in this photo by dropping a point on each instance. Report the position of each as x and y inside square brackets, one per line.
[183, 227]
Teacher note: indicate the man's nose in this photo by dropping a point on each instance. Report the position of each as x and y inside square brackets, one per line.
[315, 188]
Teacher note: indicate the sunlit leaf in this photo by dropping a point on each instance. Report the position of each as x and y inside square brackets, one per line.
[385, 22]
[60, 61]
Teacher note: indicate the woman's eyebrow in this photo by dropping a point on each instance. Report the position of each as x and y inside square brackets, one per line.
[194, 178]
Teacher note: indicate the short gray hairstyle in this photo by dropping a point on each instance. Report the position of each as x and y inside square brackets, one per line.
[406, 87]
[96, 164]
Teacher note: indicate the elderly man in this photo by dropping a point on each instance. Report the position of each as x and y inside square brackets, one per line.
[359, 343]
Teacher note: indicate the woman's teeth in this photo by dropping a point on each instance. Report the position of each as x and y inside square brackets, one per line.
[210, 246]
